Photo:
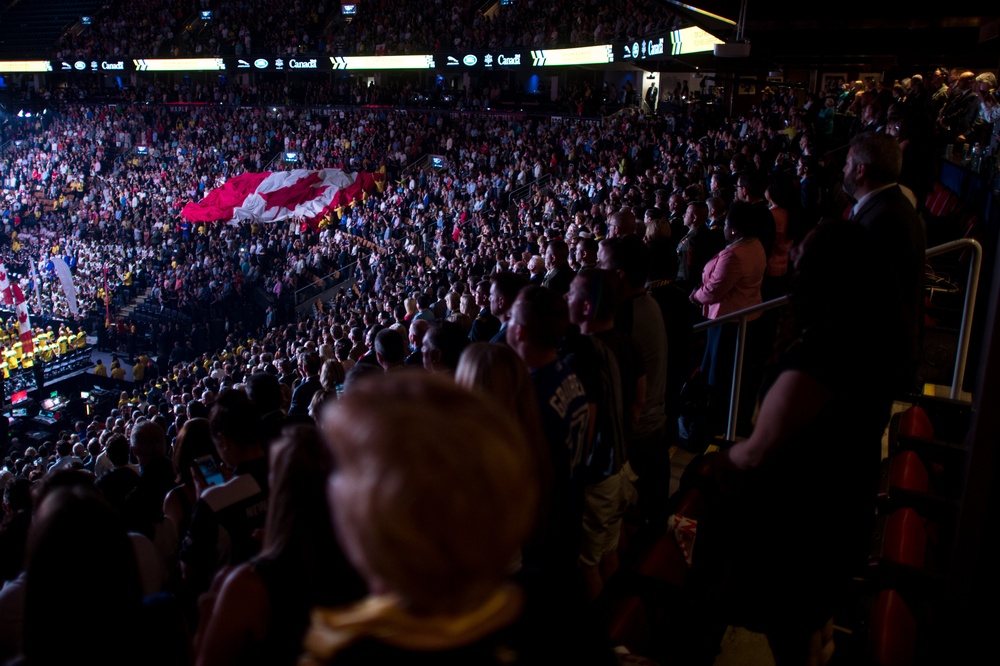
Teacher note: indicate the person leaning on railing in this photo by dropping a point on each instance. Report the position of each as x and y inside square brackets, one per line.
[730, 282]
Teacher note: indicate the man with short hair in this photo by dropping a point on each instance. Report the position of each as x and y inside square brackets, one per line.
[66, 459]
[227, 516]
[538, 321]
[585, 253]
[961, 111]
[558, 274]
[697, 247]
[442, 347]
[592, 301]
[156, 472]
[390, 349]
[309, 367]
[504, 287]
[871, 173]
[424, 313]
[640, 318]
[264, 391]
[485, 325]
[418, 328]
[621, 223]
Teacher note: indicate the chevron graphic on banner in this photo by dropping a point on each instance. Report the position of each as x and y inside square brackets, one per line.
[339, 62]
[140, 65]
[538, 58]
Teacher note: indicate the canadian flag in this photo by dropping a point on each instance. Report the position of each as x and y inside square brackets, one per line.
[271, 197]
[5, 291]
[23, 323]
[12, 294]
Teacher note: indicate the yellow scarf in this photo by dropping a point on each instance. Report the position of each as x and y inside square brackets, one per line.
[382, 617]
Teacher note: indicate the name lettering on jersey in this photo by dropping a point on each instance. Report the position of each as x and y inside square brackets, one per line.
[563, 398]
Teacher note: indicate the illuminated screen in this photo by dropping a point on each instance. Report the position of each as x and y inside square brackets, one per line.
[692, 40]
[586, 55]
[383, 62]
[348, 10]
[18, 396]
[179, 65]
[25, 66]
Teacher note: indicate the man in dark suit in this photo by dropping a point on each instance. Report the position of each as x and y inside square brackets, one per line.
[309, 367]
[485, 325]
[873, 165]
[558, 274]
[504, 287]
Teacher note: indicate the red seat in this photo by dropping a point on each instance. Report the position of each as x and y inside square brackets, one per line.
[907, 472]
[893, 633]
[905, 539]
[914, 422]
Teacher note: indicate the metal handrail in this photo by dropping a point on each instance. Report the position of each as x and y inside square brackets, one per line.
[743, 316]
[524, 191]
[964, 334]
[332, 275]
[971, 288]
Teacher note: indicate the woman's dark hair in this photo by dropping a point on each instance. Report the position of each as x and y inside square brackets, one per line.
[193, 441]
[299, 530]
[117, 449]
[76, 520]
[234, 416]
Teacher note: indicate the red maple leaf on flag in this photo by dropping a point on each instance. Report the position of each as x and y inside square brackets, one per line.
[22, 316]
[3, 276]
[302, 191]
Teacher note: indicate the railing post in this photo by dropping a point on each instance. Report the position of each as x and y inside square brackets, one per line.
[962, 353]
[734, 393]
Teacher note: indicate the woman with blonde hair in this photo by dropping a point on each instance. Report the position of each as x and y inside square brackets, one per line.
[453, 301]
[433, 491]
[410, 305]
[497, 372]
[467, 305]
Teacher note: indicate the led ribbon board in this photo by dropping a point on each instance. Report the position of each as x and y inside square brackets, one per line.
[180, 65]
[692, 40]
[383, 62]
[586, 55]
[26, 66]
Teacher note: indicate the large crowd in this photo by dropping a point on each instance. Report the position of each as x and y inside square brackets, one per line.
[441, 457]
[174, 27]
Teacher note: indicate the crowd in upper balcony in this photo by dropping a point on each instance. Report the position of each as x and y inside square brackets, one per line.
[165, 28]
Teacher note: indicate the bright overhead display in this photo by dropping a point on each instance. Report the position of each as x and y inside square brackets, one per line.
[585, 55]
[692, 40]
[601, 54]
[26, 66]
[388, 62]
[179, 64]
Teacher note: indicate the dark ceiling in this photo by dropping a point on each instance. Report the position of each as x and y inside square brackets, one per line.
[852, 35]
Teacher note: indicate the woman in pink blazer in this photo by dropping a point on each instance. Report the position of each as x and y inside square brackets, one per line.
[730, 282]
